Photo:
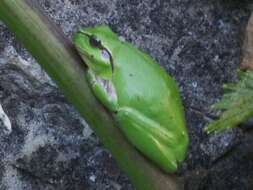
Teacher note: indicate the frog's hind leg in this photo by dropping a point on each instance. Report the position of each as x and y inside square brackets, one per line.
[149, 137]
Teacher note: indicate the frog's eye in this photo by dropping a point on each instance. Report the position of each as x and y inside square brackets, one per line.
[95, 42]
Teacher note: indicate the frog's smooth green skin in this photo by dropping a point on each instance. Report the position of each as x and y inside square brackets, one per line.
[143, 97]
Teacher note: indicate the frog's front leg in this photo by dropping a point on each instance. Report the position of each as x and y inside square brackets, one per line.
[103, 90]
[149, 137]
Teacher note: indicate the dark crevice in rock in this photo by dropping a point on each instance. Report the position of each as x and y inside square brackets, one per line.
[31, 175]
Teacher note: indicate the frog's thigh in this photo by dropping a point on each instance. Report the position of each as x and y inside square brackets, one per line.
[149, 137]
[103, 90]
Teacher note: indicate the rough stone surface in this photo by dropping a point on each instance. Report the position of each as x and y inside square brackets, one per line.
[198, 42]
[46, 148]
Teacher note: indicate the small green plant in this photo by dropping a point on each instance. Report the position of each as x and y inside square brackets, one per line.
[237, 103]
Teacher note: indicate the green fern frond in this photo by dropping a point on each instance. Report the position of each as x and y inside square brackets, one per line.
[237, 103]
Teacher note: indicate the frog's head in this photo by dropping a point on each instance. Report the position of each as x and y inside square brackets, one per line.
[95, 47]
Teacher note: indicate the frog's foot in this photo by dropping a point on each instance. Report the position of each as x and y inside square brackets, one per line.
[148, 136]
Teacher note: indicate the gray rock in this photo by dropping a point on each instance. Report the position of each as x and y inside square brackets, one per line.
[198, 42]
[46, 148]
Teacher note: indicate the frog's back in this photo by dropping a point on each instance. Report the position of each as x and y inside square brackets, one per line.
[151, 91]
[148, 88]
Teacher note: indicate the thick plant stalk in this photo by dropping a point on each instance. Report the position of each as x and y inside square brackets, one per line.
[59, 59]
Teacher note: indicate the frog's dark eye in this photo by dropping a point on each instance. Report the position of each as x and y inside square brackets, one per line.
[95, 42]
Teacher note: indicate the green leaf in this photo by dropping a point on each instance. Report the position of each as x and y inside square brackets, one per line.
[237, 103]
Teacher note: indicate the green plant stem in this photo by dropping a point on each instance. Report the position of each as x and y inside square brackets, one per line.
[58, 58]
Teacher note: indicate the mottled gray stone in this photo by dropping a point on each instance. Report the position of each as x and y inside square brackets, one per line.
[46, 148]
[198, 42]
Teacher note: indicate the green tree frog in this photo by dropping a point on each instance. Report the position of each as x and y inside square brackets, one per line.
[143, 98]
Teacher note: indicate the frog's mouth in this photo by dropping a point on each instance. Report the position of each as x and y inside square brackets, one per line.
[97, 43]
